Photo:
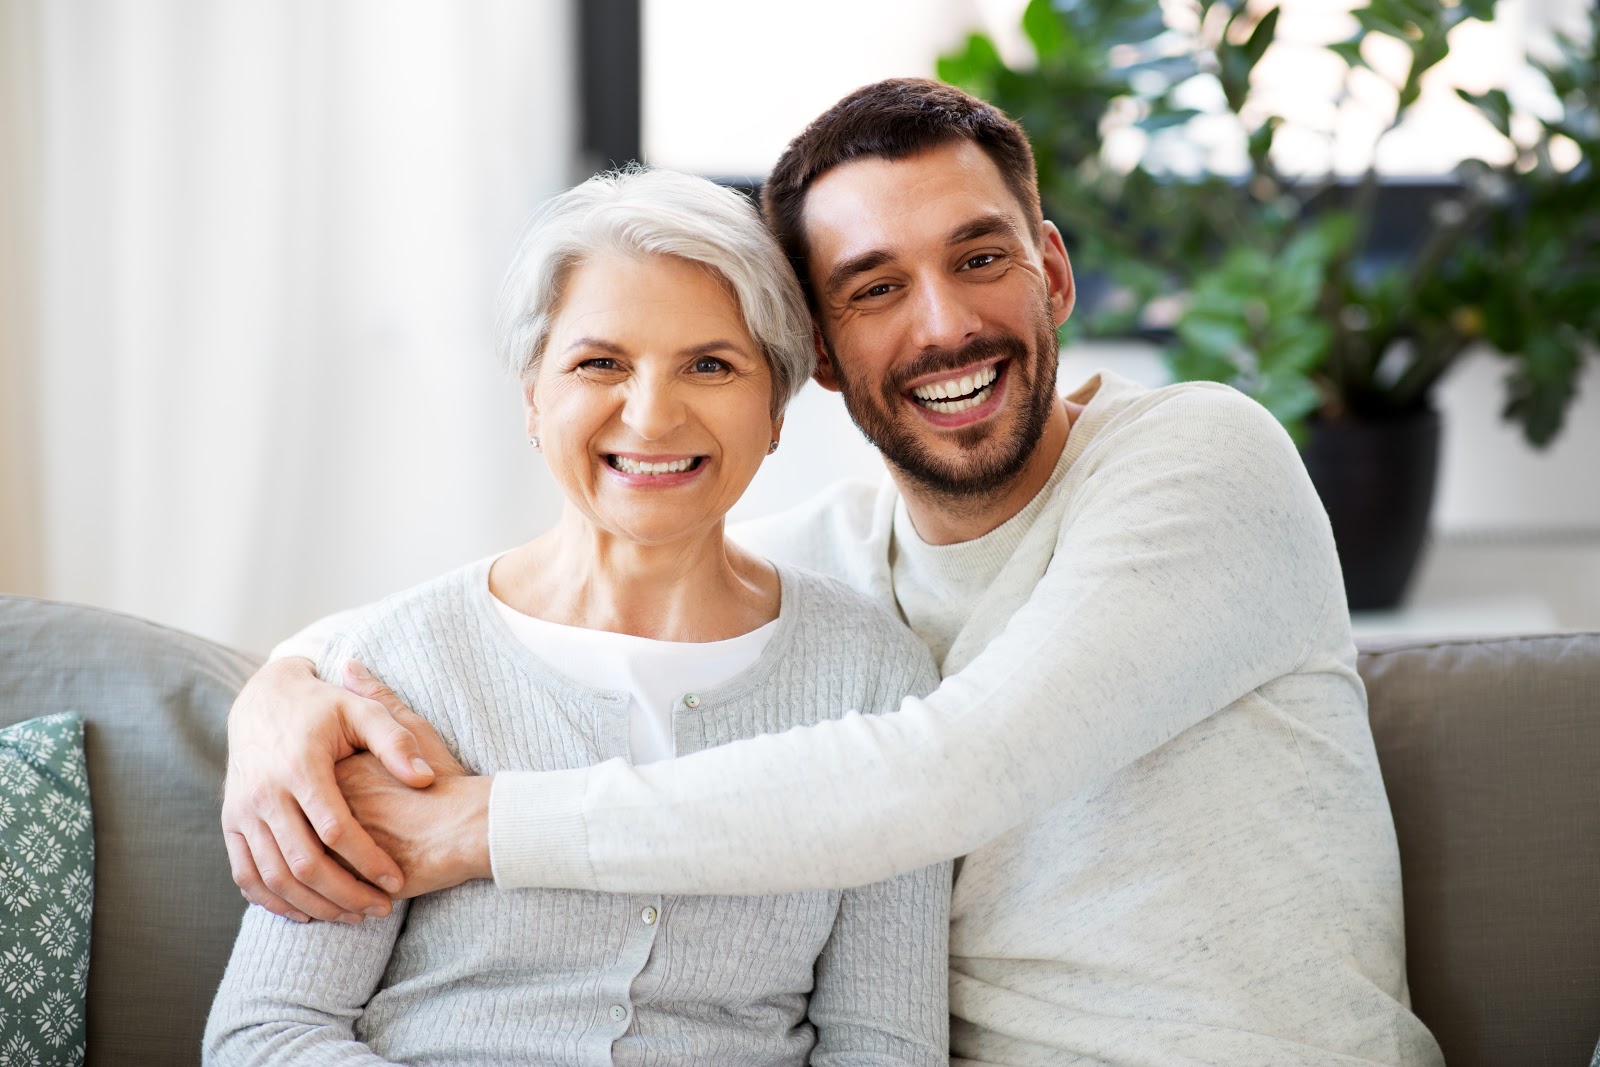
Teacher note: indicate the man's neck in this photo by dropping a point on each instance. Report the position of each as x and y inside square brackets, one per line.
[941, 520]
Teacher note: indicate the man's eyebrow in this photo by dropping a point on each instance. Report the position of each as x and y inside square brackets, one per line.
[995, 224]
[840, 276]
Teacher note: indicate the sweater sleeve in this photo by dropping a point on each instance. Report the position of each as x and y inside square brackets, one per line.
[309, 641]
[1194, 565]
[292, 992]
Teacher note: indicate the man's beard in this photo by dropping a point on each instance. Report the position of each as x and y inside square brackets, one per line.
[989, 460]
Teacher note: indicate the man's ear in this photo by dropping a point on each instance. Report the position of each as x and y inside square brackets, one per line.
[825, 374]
[1058, 273]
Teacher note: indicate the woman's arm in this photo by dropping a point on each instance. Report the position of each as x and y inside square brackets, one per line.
[882, 992]
[292, 993]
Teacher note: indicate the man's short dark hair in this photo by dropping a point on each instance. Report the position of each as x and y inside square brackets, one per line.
[893, 119]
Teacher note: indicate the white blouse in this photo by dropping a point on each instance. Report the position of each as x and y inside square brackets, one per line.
[653, 673]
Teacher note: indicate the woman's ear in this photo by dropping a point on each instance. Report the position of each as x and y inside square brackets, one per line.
[530, 405]
[777, 432]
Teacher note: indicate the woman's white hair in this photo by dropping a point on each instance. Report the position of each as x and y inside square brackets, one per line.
[641, 211]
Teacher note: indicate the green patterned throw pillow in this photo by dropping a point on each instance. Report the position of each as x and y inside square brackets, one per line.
[46, 891]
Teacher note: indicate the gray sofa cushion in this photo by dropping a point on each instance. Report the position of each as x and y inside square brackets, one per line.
[1491, 753]
[154, 703]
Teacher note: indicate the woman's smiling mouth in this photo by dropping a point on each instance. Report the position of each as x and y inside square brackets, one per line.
[652, 468]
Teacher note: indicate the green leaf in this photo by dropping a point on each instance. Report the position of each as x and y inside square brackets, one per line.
[1162, 119]
[973, 68]
[1495, 105]
[1350, 52]
[1542, 386]
[1261, 37]
[1213, 339]
[1044, 28]
[1288, 395]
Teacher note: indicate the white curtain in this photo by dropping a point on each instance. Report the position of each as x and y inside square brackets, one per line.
[268, 234]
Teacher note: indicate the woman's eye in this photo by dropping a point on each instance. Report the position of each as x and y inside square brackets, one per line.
[709, 365]
[599, 363]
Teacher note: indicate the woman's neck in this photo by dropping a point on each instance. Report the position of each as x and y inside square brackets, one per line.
[699, 589]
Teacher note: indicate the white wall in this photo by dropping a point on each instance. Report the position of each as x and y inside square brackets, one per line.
[271, 236]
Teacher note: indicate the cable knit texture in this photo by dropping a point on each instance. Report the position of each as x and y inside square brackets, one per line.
[481, 975]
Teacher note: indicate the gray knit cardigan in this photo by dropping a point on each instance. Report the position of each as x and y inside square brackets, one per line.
[480, 975]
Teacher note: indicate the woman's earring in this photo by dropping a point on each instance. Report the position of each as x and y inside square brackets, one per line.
[773, 447]
[534, 441]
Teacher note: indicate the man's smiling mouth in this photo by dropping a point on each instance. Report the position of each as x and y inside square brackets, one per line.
[953, 395]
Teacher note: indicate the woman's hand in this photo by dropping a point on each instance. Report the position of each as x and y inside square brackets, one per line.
[281, 803]
[439, 835]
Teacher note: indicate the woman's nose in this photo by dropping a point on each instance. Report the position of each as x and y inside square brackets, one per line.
[945, 318]
[653, 409]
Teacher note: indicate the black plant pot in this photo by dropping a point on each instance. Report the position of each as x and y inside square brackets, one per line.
[1376, 479]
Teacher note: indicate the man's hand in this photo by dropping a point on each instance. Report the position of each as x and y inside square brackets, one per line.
[281, 804]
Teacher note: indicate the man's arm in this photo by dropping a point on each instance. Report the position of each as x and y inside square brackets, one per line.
[1196, 567]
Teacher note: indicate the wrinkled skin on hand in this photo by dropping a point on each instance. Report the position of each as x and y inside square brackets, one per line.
[294, 846]
[438, 835]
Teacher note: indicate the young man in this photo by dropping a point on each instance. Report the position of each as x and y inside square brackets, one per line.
[1150, 744]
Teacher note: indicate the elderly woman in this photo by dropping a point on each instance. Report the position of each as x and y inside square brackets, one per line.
[658, 334]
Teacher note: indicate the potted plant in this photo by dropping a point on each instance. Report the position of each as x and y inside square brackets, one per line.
[1291, 288]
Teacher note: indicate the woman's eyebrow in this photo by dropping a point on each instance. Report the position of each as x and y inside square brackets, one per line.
[709, 348]
[597, 342]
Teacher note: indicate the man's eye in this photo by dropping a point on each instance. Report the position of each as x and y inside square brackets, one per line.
[982, 259]
[881, 289]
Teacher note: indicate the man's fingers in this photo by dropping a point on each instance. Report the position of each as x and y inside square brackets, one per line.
[379, 729]
[280, 884]
[329, 816]
[248, 879]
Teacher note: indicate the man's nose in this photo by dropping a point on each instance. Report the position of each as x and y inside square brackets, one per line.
[653, 409]
[945, 314]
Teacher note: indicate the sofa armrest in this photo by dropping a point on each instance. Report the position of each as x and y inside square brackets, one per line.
[1490, 749]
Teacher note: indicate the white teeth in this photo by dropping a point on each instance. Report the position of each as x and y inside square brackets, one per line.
[972, 389]
[956, 387]
[633, 466]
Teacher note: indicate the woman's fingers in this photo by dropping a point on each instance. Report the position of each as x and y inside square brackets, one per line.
[379, 724]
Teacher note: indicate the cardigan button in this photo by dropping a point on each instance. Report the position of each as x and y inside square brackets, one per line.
[649, 915]
[618, 1012]
[692, 700]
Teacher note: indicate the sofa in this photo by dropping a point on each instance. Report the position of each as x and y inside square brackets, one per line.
[1490, 749]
